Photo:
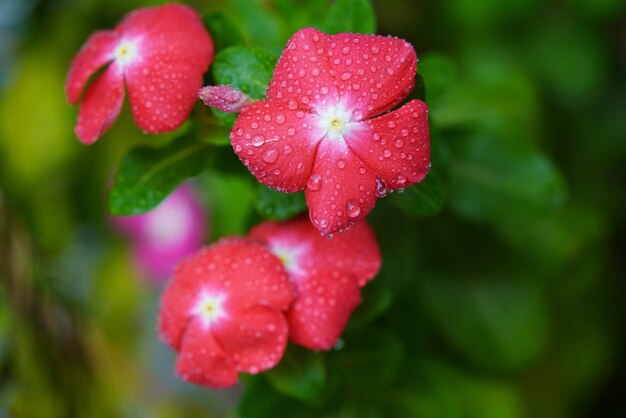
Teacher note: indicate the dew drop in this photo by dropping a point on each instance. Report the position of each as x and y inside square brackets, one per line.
[258, 140]
[399, 143]
[270, 156]
[353, 209]
[341, 164]
[314, 183]
[280, 118]
[346, 76]
[381, 188]
[292, 104]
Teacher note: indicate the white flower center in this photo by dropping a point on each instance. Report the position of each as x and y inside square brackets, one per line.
[289, 256]
[335, 121]
[209, 307]
[125, 52]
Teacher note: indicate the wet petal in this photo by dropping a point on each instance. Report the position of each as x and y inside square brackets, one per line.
[302, 250]
[203, 361]
[95, 53]
[169, 51]
[396, 146]
[319, 315]
[340, 190]
[367, 74]
[276, 143]
[101, 105]
[254, 338]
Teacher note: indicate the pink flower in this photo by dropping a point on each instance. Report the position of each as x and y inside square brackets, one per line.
[327, 275]
[319, 131]
[160, 53]
[166, 234]
[224, 313]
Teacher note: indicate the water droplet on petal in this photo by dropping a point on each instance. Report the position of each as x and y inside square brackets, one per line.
[346, 76]
[315, 182]
[270, 156]
[280, 118]
[381, 188]
[258, 140]
[341, 164]
[353, 209]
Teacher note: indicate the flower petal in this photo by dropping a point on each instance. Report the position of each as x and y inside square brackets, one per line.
[164, 73]
[321, 312]
[202, 361]
[241, 272]
[340, 190]
[303, 250]
[370, 74]
[396, 145]
[162, 93]
[95, 53]
[101, 105]
[254, 338]
[277, 144]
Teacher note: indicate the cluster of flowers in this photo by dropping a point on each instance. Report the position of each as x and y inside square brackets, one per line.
[326, 127]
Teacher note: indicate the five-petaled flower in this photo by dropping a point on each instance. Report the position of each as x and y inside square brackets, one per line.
[224, 312]
[327, 275]
[318, 131]
[160, 53]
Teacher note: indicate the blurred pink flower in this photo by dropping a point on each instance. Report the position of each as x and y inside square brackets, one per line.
[165, 235]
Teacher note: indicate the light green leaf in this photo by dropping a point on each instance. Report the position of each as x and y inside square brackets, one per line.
[250, 70]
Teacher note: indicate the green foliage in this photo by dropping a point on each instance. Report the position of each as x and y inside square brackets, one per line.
[495, 180]
[507, 316]
[250, 70]
[356, 16]
[425, 199]
[506, 304]
[147, 175]
[300, 374]
[275, 205]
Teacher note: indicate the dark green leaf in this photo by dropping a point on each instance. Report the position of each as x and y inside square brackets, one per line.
[356, 16]
[250, 70]
[261, 400]
[276, 205]
[147, 175]
[376, 299]
[498, 324]
[300, 374]
[223, 31]
[494, 180]
[424, 199]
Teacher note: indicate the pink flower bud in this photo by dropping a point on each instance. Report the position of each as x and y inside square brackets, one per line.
[225, 98]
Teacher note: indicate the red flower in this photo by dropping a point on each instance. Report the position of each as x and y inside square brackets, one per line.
[327, 275]
[317, 129]
[160, 53]
[223, 312]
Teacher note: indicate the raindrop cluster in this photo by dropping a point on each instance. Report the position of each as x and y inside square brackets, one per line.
[159, 53]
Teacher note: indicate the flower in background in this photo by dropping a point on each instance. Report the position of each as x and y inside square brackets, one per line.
[319, 131]
[159, 53]
[223, 312]
[166, 234]
[327, 275]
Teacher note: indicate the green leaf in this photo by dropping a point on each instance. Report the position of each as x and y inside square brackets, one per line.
[147, 175]
[300, 374]
[424, 199]
[499, 324]
[497, 180]
[223, 31]
[376, 299]
[250, 70]
[356, 16]
[366, 357]
[276, 205]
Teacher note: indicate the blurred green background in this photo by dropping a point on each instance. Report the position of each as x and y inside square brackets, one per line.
[502, 287]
